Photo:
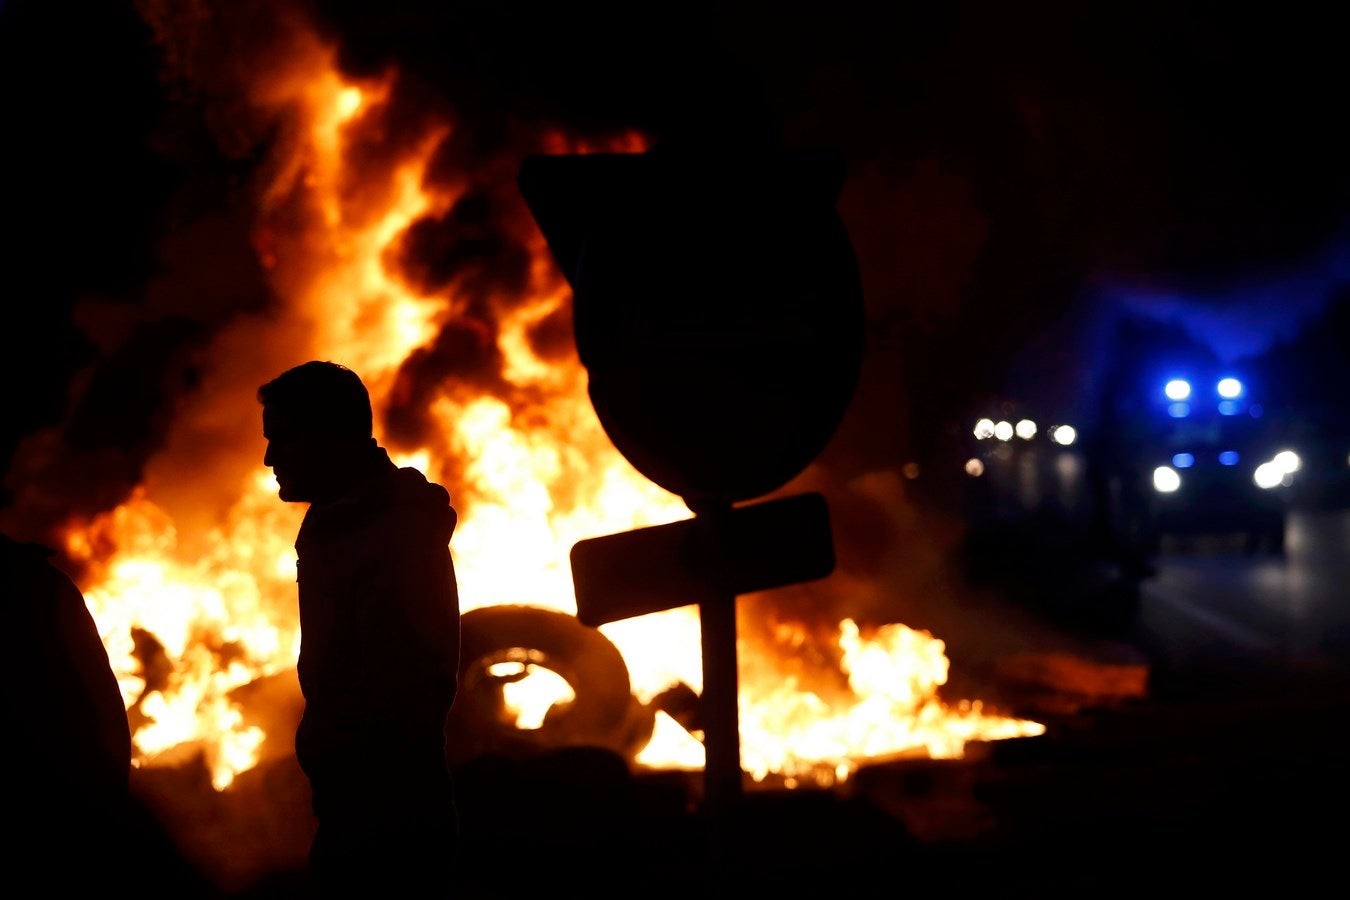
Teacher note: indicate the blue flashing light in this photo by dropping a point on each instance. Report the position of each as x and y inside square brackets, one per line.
[1229, 407]
[1228, 458]
[1229, 388]
[1177, 389]
[1183, 460]
[1178, 410]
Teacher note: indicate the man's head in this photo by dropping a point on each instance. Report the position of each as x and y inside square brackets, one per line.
[318, 424]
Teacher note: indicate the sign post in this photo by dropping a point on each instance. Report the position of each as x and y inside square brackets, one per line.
[717, 308]
[722, 778]
[710, 559]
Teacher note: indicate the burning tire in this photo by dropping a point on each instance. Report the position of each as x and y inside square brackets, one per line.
[500, 645]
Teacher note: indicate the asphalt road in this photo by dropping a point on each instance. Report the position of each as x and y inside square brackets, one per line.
[1210, 605]
[1231, 772]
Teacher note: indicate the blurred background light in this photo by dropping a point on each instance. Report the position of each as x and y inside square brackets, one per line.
[1268, 475]
[1165, 479]
[1177, 389]
[1062, 434]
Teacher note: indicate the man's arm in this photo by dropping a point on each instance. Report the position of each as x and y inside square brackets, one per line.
[415, 638]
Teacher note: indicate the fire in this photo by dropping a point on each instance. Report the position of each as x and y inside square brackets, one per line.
[196, 601]
[891, 708]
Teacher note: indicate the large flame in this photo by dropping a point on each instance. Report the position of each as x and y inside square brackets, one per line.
[194, 606]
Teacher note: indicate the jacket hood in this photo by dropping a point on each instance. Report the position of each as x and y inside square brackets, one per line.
[412, 490]
[390, 491]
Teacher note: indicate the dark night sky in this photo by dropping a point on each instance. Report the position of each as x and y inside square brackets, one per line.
[1006, 163]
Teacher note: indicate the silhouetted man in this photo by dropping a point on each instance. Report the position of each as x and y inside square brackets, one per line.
[379, 639]
[68, 741]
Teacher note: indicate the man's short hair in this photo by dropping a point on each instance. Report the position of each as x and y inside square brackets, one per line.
[323, 398]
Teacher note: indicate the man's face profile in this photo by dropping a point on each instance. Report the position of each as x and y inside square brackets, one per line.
[296, 457]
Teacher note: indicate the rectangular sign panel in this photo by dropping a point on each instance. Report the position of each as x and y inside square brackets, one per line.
[750, 548]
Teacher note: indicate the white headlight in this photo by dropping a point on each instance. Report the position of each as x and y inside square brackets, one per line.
[1268, 475]
[1063, 434]
[1165, 479]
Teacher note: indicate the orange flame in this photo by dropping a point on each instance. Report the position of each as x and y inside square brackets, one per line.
[192, 613]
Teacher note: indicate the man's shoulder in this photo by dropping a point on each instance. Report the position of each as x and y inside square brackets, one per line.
[410, 485]
[398, 505]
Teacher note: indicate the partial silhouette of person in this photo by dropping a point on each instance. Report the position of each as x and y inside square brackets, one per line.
[68, 740]
[379, 640]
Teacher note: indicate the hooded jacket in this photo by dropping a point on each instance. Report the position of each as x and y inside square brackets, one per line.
[379, 619]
